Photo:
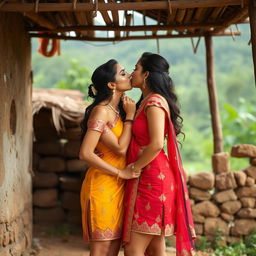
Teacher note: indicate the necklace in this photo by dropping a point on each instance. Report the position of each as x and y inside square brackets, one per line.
[112, 108]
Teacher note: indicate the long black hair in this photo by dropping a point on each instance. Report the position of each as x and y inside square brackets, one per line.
[160, 82]
[100, 91]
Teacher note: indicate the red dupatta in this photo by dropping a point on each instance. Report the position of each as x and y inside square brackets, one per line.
[184, 226]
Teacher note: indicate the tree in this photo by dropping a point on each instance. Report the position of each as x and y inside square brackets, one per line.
[75, 77]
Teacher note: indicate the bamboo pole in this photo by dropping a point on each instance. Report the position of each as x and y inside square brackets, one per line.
[213, 99]
[128, 28]
[252, 15]
[103, 39]
[145, 5]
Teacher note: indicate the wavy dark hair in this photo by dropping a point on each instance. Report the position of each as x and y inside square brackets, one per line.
[100, 91]
[161, 83]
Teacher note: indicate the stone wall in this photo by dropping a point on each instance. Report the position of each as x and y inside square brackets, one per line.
[15, 136]
[225, 202]
[58, 171]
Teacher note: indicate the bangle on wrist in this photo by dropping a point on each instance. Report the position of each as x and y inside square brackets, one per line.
[128, 120]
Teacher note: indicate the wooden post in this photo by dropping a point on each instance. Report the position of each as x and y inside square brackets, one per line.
[213, 99]
[252, 15]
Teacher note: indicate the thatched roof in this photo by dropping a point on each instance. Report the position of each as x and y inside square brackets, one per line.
[64, 104]
[169, 19]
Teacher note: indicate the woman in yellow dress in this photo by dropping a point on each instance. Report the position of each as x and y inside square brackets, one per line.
[106, 135]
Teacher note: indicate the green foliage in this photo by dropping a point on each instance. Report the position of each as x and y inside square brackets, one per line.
[202, 244]
[250, 243]
[75, 77]
[237, 249]
[246, 248]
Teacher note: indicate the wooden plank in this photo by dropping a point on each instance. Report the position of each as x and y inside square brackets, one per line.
[170, 19]
[129, 28]
[146, 5]
[252, 15]
[115, 17]
[233, 19]
[40, 20]
[213, 99]
[103, 39]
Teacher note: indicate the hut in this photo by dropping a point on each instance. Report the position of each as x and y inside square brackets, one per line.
[20, 20]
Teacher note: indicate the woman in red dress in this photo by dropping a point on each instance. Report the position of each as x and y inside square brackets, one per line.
[157, 203]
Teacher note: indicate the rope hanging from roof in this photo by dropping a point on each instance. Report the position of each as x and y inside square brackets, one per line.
[74, 4]
[195, 47]
[170, 7]
[36, 6]
[94, 13]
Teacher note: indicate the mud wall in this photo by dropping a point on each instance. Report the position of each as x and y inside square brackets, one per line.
[15, 136]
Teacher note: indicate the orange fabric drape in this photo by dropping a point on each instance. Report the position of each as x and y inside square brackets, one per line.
[43, 46]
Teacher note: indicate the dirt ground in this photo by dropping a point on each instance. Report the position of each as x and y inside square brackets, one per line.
[63, 241]
[66, 241]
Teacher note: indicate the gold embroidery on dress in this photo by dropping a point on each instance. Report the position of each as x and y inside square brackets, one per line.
[162, 197]
[148, 207]
[106, 234]
[97, 125]
[154, 229]
[158, 218]
[169, 230]
[161, 176]
[145, 228]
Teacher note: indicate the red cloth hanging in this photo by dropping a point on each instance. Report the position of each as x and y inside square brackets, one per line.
[43, 46]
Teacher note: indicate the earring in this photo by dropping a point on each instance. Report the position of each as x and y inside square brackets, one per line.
[144, 83]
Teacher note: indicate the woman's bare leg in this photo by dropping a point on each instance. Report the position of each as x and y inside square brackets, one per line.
[114, 247]
[138, 244]
[99, 248]
[156, 246]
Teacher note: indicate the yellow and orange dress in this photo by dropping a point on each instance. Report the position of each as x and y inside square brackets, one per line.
[102, 194]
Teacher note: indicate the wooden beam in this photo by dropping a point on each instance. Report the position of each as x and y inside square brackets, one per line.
[115, 16]
[109, 39]
[129, 28]
[252, 15]
[40, 20]
[235, 18]
[146, 5]
[213, 99]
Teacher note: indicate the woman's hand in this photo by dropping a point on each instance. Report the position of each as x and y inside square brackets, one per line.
[129, 173]
[129, 106]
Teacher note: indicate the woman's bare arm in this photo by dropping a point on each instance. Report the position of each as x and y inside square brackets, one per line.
[120, 145]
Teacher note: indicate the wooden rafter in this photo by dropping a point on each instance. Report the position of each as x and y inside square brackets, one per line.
[41, 21]
[129, 28]
[103, 39]
[146, 5]
[115, 17]
[237, 16]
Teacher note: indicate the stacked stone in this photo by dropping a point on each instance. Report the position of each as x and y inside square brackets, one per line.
[58, 171]
[225, 202]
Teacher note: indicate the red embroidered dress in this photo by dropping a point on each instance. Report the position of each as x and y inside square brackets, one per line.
[157, 203]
